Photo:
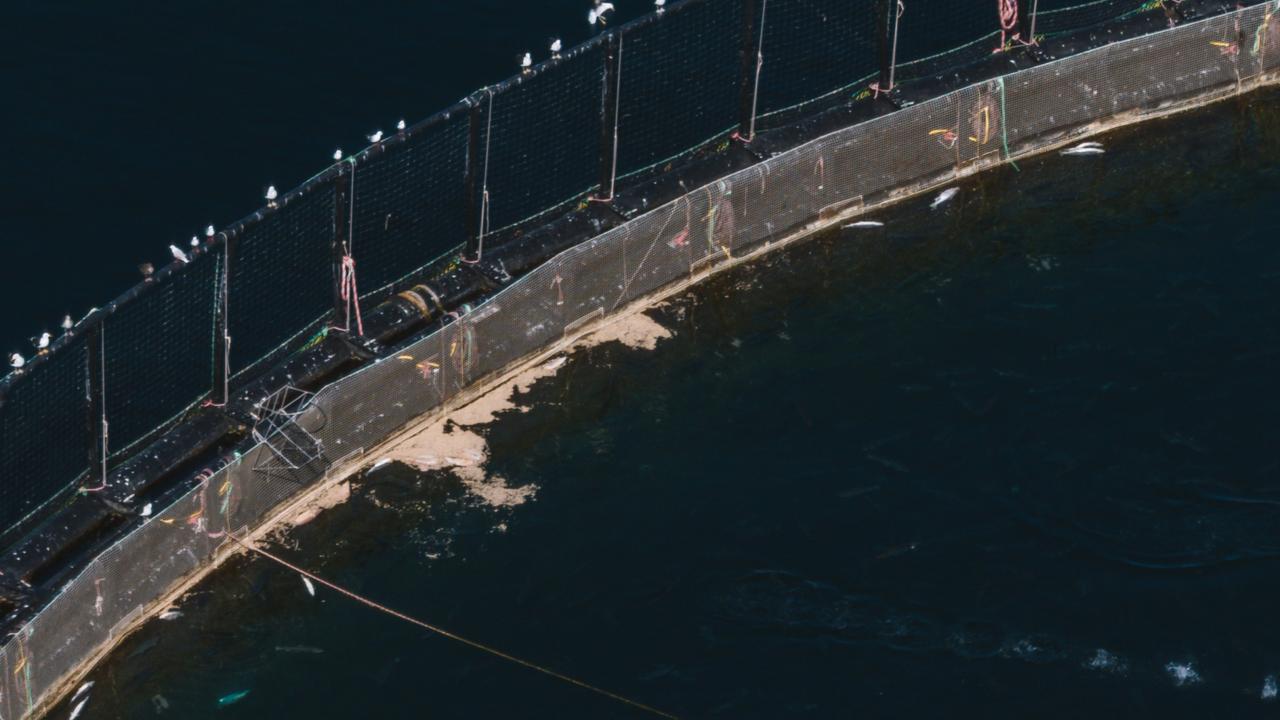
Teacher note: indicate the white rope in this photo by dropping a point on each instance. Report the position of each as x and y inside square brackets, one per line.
[484, 184]
[755, 93]
[893, 57]
[617, 102]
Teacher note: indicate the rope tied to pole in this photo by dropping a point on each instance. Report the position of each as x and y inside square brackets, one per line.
[445, 633]
[350, 293]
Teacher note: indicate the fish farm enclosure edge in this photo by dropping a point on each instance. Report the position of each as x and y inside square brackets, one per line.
[296, 443]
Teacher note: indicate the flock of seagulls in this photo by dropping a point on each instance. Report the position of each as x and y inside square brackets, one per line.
[597, 16]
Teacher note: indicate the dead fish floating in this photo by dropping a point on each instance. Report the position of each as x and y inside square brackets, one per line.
[943, 198]
[1085, 148]
[79, 708]
[864, 224]
[311, 589]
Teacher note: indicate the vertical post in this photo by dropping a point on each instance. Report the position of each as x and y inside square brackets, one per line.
[95, 404]
[1026, 20]
[748, 57]
[221, 325]
[883, 8]
[609, 116]
[341, 230]
[471, 203]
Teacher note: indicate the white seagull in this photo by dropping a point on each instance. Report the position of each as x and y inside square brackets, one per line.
[658, 6]
[597, 13]
[526, 62]
[178, 254]
[376, 137]
[195, 241]
[16, 361]
[555, 48]
[208, 232]
[337, 154]
[66, 323]
[271, 195]
[400, 125]
[42, 342]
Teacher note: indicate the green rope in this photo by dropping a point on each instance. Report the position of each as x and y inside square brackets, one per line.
[1004, 134]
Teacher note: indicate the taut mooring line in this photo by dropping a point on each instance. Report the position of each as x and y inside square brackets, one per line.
[452, 636]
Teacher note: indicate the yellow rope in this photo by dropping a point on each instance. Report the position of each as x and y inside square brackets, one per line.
[446, 633]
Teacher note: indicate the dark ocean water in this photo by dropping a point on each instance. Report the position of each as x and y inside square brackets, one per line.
[1016, 458]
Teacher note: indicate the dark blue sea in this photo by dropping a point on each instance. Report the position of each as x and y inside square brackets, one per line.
[1014, 458]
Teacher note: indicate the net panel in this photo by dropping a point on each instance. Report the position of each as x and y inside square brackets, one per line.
[1054, 17]
[408, 205]
[678, 82]
[812, 49]
[281, 277]
[44, 444]
[935, 36]
[158, 352]
[543, 138]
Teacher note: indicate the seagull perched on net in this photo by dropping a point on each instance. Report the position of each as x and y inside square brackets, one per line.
[147, 270]
[400, 125]
[597, 13]
[376, 137]
[67, 324]
[526, 62]
[208, 232]
[16, 361]
[271, 196]
[195, 242]
[555, 48]
[42, 341]
[178, 254]
[659, 6]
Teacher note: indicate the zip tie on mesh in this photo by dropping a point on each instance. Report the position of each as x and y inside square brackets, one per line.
[445, 633]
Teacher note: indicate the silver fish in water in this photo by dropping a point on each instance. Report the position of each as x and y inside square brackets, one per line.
[865, 224]
[943, 198]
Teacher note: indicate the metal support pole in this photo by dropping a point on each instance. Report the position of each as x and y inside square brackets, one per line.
[95, 404]
[221, 326]
[1026, 20]
[341, 230]
[748, 58]
[471, 176]
[884, 27]
[609, 117]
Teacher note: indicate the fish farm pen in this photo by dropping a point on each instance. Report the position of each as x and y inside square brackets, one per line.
[403, 279]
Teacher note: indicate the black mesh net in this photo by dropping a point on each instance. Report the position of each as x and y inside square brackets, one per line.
[1062, 16]
[679, 82]
[812, 49]
[543, 143]
[43, 439]
[281, 277]
[409, 204]
[935, 36]
[158, 352]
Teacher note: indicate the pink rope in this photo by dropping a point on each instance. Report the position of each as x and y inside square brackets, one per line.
[350, 294]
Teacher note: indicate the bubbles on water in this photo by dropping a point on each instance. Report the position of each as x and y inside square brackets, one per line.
[1106, 661]
[1033, 649]
[1042, 263]
[1183, 674]
[1269, 688]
